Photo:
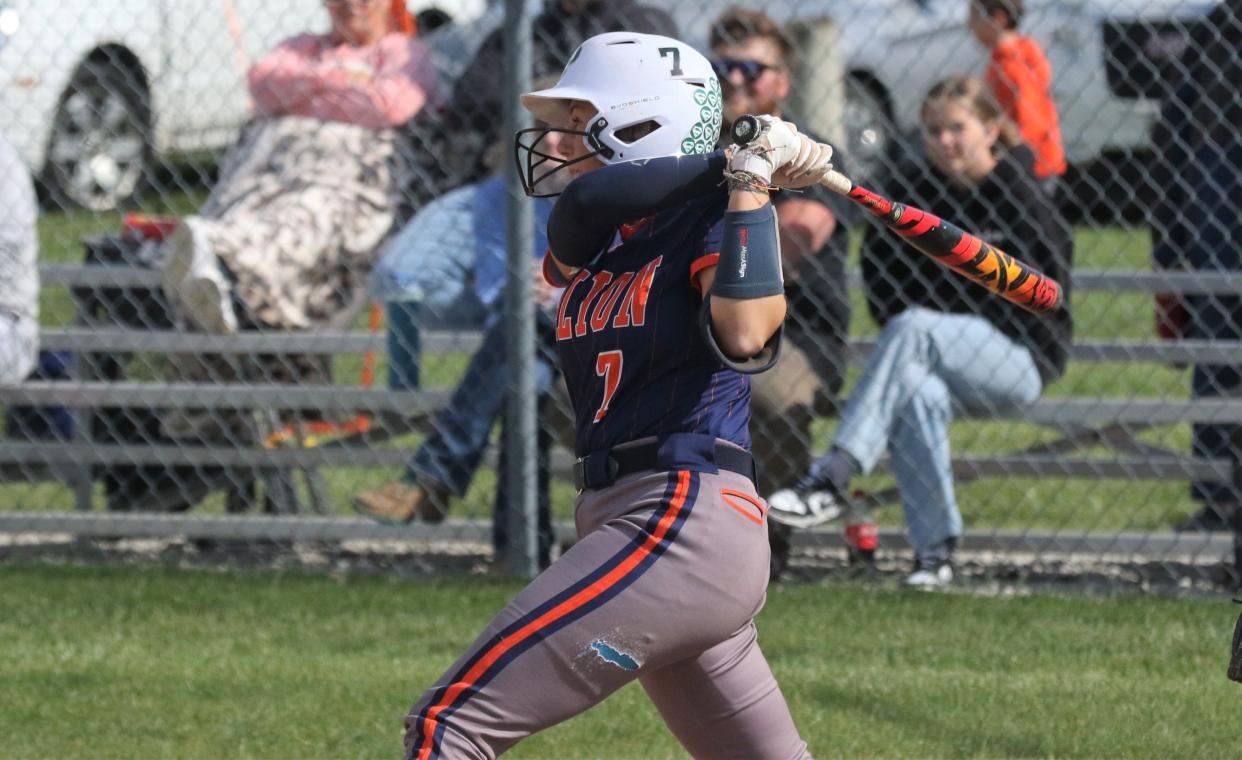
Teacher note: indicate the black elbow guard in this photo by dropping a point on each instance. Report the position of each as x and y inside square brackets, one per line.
[760, 362]
[750, 256]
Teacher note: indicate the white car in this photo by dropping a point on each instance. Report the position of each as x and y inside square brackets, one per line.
[94, 90]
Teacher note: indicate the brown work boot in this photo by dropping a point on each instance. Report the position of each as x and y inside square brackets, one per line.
[399, 503]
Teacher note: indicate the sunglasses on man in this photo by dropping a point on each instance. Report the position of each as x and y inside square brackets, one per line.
[749, 68]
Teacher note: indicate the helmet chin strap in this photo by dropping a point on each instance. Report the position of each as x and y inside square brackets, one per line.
[595, 143]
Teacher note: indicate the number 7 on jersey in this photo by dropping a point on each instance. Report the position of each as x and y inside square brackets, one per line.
[608, 366]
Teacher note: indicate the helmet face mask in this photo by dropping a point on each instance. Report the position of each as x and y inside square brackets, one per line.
[653, 96]
[541, 170]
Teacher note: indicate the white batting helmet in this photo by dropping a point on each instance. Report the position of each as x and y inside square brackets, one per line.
[633, 80]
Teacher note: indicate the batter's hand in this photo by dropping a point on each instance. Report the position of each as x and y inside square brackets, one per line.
[779, 140]
[782, 156]
[813, 162]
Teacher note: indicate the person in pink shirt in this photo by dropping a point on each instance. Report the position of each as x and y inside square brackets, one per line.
[311, 189]
[365, 71]
[304, 201]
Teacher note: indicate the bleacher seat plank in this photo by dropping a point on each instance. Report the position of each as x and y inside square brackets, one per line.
[1131, 281]
[1056, 411]
[89, 276]
[1170, 351]
[327, 342]
[1119, 281]
[1094, 280]
[1150, 351]
[221, 396]
[176, 341]
[468, 341]
[1122, 468]
[1075, 411]
[232, 457]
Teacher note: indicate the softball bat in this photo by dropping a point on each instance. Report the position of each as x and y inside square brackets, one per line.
[946, 243]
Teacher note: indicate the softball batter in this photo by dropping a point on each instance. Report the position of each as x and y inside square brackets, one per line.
[673, 294]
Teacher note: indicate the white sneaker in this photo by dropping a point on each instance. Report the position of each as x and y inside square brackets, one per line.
[194, 283]
[938, 575]
[788, 507]
[178, 254]
[207, 301]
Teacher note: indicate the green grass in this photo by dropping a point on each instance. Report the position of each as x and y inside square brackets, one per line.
[987, 504]
[125, 662]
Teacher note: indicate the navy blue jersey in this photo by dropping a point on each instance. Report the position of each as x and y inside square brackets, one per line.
[627, 332]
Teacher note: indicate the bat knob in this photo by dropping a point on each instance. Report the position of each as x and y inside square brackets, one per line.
[745, 130]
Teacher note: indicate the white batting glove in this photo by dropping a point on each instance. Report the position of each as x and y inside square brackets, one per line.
[776, 144]
[780, 139]
[813, 163]
[782, 156]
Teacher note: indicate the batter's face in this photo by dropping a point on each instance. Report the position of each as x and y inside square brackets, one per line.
[753, 77]
[580, 116]
[554, 182]
[958, 142]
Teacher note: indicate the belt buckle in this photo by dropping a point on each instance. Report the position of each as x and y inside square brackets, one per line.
[596, 470]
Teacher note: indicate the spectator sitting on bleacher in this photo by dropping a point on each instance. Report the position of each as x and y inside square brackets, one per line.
[449, 266]
[308, 193]
[1197, 225]
[946, 344]
[19, 273]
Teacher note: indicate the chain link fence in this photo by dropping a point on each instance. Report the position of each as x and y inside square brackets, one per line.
[271, 268]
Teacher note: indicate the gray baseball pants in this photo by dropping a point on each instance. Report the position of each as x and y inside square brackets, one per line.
[663, 587]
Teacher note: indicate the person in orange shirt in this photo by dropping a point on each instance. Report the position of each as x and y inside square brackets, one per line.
[1021, 78]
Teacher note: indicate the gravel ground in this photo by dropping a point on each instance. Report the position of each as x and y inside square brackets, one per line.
[1016, 572]
[999, 573]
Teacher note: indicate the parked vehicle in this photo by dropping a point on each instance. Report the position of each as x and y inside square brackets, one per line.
[95, 91]
[1110, 60]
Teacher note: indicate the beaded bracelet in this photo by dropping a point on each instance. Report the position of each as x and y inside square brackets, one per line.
[747, 181]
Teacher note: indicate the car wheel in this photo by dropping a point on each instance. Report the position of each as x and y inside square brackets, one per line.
[99, 150]
[868, 127]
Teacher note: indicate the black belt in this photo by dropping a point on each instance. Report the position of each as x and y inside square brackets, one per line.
[601, 469]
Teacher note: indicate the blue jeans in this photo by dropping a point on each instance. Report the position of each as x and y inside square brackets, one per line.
[927, 365]
[449, 458]
[406, 320]
[426, 274]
